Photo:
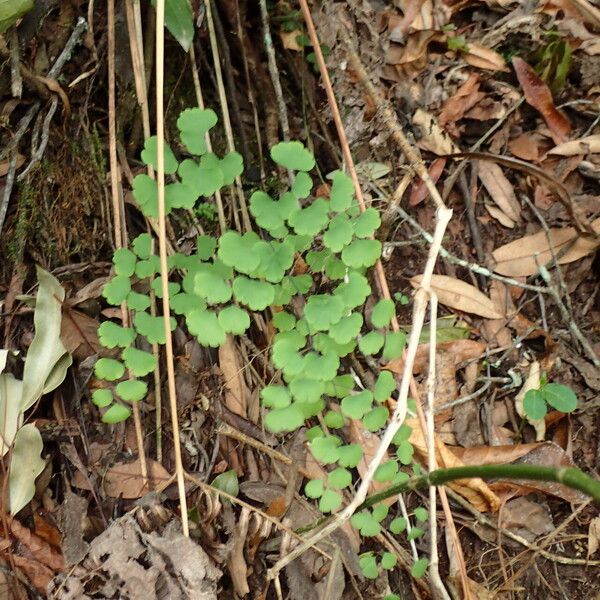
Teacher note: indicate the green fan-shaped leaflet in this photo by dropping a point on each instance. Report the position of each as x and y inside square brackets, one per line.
[117, 289]
[204, 324]
[293, 155]
[149, 156]
[342, 192]
[322, 311]
[257, 295]
[132, 390]
[361, 253]
[209, 284]
[275, 259]
[310, 220]
[205, 178]
[339, 233]
[237, 251]
[354, 291]
[112, 335]
[139, 362]
[152, 327]
[234, 320]
[194, 123]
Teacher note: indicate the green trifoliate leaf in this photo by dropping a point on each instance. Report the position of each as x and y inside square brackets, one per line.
[349, 455]
[384, 386]
[117, 413]
[205, 246]
[334, 419]
[234, 320]
[149, 156]
[275, 259]
[124, 261]
[284, 321]
[112, 335]
[152, 327]
[368, 566]
[314, 488]
[183, 303]
[145, 191]
[353, 292]
[371, 343]
[347, 328]
[310, 220]
[419, 568]
[147, 268]
[361, 253]
[342, 192]
[293, 155]
[398, 525]
[356, 405]
[109, 369]
[102, 398]
[394, 344]
[227, 482]
[405, 453]
[307, 390]
[534, 405]
[172, 286]
[204, 178]
[204, 324]
[339, 233]
[137, 301]
[255, 294]
[132, 390]
[375, 419]
[340, 386]
[142, 245]
[386, 471]
[330, 501]
[421, 514]
[322, 311]
[323, 367]
[237, 251]
[139, 362]
[339, 478]
[388, 560]
[275, 396]
[366, 224]
[209, 284]
[194, 123]
[382, 313]
[560, 397]
[117, 289]
[325, 449]
[325, 344]
[289, 418]
[302, 185]
[180, 195]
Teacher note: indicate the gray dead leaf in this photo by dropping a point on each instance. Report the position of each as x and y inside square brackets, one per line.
[526, 518]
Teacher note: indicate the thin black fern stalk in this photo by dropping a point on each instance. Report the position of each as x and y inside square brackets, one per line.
[569, 476]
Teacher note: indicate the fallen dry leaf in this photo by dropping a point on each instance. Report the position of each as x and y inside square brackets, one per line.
[124, 480]
[593, 536]
[518, 258]
[460, 295]
[539, 96]
[585, 145]
[526, 518]
[289, 39]
[40, 549]
[499, 188]
[79, 333]
[419, 191]
[500, 216]
[236, 392]
[465, 97]
[433, 137]
[484, 58]
[5, 164]
[531, 383]
[525, 147]
[38, 574]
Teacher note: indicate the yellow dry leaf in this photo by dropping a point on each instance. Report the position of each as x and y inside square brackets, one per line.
[500, 189]
[433, 138]
[484, 58]
[585, 145]
[236, 393]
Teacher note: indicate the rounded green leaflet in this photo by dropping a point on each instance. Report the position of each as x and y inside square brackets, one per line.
[321, 311]
[148, 267]
[204, 324]
[357, 405]
[371, 343]
[232, 166]
[421, 514]
[368, 566]
[310, 220]
[330, 501]
[117, 289]
[311, 409]
[209, 284]
[414, 533]
[339, 478]
[117, 413]
[325, 449]
[382, 313]
[293, 155]
[306, 390]
[284, 419]
[142, 245]
[180, 195]
[386, 471]
[275, 259]
[102, 398]
[338, 234]
[327, 345]
[361, 253]
[354, 291]
[384, 386]
[367, 222]
[302, 185]
[314, 488]
[237, 251]
[405, 452]
[285, 356]
[205, 246]
[275, 396]
[145, 191]
[365, 523]
[323, 367]
[227, 482]
[257, 295]
[266, 211]
[333, 419]
[394, 344]
[340, 386]
[380, 512]
[139, 362]
[132, 390]
[534, 405]
[560, 397]
[234, 320]
[183, 303]
[283, 321]
[419, 568]
[398, 525]
[124, 261]
[388, 560]
[335, 268]
[349, 455]
[152, 327]
[204, 178]
[150, 154]
[316, 259]
[173, 287]
[112, 335]
[342, 191]
[347, 328]
[376, 418]
[403, 434]
[194, 123]
[137, 301]
[109, 369]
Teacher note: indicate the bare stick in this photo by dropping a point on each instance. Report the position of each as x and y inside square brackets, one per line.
[164, 269]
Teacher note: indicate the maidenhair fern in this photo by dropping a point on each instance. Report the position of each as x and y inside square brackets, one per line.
[319, 315]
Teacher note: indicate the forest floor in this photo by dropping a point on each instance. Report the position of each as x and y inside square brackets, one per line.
[501, 99]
